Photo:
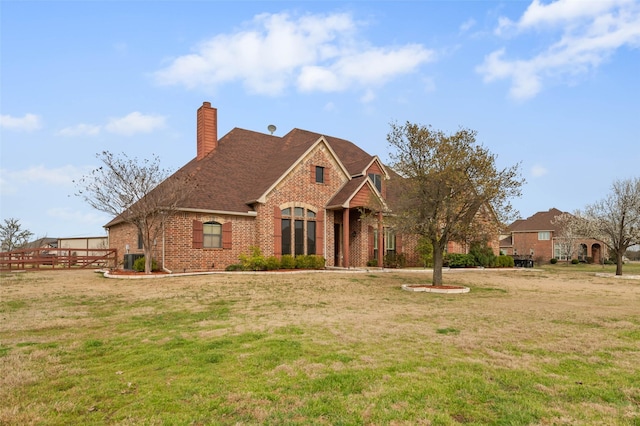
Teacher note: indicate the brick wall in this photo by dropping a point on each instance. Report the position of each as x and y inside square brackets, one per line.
[181, 256]
[177, 241]
[526, 242]
[299, 189]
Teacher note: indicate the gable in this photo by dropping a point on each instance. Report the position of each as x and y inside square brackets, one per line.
[319, 154]
[358, 192]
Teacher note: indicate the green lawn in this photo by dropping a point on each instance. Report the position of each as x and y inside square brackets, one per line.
[557, 346]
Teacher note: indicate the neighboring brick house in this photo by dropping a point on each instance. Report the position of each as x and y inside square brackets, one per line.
[302, 193]
[536, 238]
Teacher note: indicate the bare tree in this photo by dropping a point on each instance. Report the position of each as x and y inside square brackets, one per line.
[568, 234]
[450, 187]
[134, 192]
[615, 220]
[12, 235]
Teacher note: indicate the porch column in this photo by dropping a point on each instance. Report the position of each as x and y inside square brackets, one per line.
[345, 238]
[380, 241]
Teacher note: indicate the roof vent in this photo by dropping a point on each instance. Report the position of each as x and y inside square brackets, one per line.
[271, 128]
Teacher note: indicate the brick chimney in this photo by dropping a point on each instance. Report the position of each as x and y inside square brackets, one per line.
[207, 135]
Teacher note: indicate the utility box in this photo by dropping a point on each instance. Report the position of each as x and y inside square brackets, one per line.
[130, 258]
[523, 263]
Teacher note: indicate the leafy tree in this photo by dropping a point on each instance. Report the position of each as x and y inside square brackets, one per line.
[12, 235]
[615, 220]
[447, 185]
[135, 192]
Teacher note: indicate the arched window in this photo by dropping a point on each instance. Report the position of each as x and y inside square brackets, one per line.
[212, 235]
[298, 231]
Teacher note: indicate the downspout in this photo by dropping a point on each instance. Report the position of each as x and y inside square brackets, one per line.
[345, 237]
[163, 246]
[324, 243]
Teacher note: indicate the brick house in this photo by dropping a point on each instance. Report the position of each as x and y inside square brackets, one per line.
[302, 193]
[536, 238]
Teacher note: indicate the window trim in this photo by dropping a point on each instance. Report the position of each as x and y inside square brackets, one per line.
[320, 174]
[295, 230]
[376, 179]
[218, 234]
[544, 235]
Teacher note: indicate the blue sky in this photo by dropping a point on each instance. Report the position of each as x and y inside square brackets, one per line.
[554, 86]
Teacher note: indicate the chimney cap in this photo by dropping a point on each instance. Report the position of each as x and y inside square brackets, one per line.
[206, 104]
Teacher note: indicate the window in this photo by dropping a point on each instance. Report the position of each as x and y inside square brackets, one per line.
[140, 243]
[212, 235]
[311, 237]
[389, 242]
[544, 235]
[286, 235]
[301, 237]
[377, 180]
[298, 235]
[560, 251]
[319, 174]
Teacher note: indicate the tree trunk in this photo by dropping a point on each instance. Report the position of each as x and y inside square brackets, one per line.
[437, 263]
[148, 259]
[619, 256]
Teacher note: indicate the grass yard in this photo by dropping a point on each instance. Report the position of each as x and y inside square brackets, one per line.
[558, 346]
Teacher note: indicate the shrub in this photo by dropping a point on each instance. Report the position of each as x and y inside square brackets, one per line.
[288, 262]
[503, 261]
[458, 260]
[574, 261]
[553, 261]
[309, 261]
[303, 262]
[272, 263]
[318, 261]
[254, 261]
[138, 264]
[482, 254]
[234, 267]
[372, 263]
[394, 260]
[425, 250]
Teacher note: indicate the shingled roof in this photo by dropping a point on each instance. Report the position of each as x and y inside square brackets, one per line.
[541, 221]
[244, 164]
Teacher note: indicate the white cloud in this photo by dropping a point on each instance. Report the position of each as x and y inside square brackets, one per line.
[135, 123]
[467, 25]
[275, 51]
[368, 96]
[77, 217]
[369, 68]
[591, 32]
[560, 13]
[128, 125]
[80, 130]
[13, 180]
[28, 123]
[538, 171]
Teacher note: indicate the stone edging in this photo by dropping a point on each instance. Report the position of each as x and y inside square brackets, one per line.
[432, 289]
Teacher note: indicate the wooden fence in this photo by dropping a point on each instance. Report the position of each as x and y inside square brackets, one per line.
[51, 258]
